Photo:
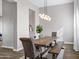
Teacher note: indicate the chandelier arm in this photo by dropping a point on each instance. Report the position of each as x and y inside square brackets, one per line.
[45, 14]
[46, 7]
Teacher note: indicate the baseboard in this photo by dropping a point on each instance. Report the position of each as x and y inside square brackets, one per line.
[75, 50]
[12, 48]
[18, 49]
[68, 42]
[7, 47]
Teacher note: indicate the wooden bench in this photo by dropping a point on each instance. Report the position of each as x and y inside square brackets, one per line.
[56, 49]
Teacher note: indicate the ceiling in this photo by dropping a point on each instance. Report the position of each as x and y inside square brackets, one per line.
[40, 3]
[12, 0]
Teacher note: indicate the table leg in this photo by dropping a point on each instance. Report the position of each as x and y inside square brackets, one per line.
[53, 56]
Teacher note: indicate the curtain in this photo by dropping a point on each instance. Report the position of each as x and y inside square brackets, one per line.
[76, 25]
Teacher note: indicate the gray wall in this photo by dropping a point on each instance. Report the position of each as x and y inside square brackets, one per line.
[62, 19]
[9, 20]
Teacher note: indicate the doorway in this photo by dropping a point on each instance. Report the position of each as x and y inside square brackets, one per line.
[9, 23]
[31, 23]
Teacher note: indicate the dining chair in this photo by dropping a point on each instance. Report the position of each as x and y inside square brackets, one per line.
[30, 50]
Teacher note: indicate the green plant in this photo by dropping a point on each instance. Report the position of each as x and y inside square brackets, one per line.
[39, 29]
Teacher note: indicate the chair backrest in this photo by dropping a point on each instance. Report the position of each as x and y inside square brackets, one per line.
[54, 34]
[28, 47]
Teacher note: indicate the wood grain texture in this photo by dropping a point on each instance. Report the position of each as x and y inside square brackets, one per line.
[43, 41]
[57, 48]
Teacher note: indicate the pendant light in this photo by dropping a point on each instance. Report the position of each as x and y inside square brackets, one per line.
[44, 15]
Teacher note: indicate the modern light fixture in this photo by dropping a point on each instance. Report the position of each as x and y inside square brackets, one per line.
[44, 15]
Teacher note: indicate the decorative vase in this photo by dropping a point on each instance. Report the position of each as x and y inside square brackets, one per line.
[39, 35]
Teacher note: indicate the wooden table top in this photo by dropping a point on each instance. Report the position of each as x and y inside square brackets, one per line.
[43, 41]
[57, 48]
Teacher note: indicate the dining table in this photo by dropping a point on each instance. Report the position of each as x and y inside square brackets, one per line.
[47, 42]
[44, 42]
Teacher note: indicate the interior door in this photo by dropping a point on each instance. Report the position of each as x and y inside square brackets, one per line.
[31, 23]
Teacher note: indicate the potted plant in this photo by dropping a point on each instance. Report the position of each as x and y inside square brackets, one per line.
[39, 29]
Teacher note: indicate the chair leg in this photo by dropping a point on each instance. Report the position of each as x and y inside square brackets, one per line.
[41, 56]
[25, 57]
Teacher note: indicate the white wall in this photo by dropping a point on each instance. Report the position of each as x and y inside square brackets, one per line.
[23, 19]
[62, 18]
[16, 22]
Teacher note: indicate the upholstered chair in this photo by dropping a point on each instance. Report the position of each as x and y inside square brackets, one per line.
[30, 49]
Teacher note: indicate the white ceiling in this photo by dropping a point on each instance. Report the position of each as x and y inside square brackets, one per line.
[40, 3]
[12, 0]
